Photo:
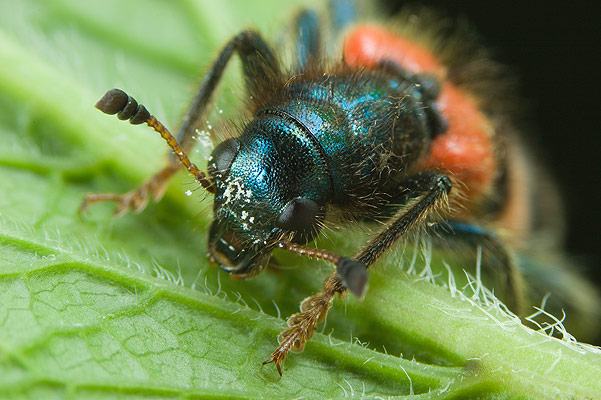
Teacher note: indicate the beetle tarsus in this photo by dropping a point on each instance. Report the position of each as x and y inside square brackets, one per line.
[314, 310]
[136, 199]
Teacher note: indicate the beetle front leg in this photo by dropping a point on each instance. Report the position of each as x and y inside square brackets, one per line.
[136, 199]
[432, 190]
[433, 196]
[259, 66]
[309, 41]
[301, 325]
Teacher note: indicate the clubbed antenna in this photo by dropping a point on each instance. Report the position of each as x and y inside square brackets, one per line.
[118, 102]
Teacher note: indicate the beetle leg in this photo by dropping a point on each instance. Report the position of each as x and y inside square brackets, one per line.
[432, 190]
[259, 67]
[308, 40]
[343, 13]
[314, 309]
[497, 258]
[136, 199]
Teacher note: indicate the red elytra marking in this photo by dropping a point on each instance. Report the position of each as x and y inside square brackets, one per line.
[465, 149]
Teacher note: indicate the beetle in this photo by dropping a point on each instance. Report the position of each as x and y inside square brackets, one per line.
[389, 131]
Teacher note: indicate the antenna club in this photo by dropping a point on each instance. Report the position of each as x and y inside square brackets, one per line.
[116, 101]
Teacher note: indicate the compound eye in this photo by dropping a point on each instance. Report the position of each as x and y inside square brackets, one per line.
[223, 155]
[300, 215]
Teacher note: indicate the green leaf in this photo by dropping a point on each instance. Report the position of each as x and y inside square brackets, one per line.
[98, 307]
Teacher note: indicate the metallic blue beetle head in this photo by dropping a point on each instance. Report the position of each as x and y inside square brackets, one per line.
[272, 186]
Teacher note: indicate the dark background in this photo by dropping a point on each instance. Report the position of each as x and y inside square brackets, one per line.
[555, 52]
